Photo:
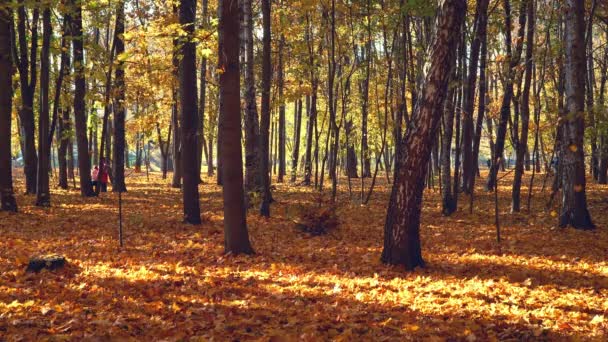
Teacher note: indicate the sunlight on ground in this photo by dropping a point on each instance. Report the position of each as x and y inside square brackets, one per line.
[172, 281]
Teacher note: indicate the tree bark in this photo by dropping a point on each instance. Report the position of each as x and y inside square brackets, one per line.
[84, 161]
[574, 210]
[189, 114]
[27, 73]
[43, 196]
[505, 108]
[401, 230]
[522, 141]
[297, 127]
[236, 236]
[468, 162]
[118, 159]
[281, 124]
[7, 198]
[265, 117]
[252, 180]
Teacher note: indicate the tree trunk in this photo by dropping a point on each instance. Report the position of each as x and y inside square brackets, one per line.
[84, 162]
[401, 230]
[43, 196]
[574, 210]
[265, 117]
[505, 108]
[28, 86]
[365, 154]
[252, 145]
[118, 158]
[202, 98]
[281, 125]
[522, 141]
[7, 198]
[448, 200]
[468, 163]
[236, 236]
[297, 126]
[189, 114]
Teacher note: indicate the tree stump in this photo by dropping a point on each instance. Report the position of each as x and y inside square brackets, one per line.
[49, 262]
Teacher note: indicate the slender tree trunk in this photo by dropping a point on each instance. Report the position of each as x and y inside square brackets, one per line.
[202, 101]
[27, 64]
[522, 141]
[505, 108]
[236, 236]
[252, 168]
[43, 196]
[448, 201]
[118, 158]
[574, 210]
[7, 198]
[265, 117]
[281, 125]
[297, 126]
[468, 162]
[84, 162]
[401, 235]
[365, 157]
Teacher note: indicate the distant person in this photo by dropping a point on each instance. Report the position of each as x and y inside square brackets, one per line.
[103, 175]
[489, 163]
[94, 176]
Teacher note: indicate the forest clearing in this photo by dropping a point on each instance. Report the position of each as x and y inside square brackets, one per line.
[303, 170]
[172, 281]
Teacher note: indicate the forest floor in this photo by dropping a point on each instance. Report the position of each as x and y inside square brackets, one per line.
[172, 282]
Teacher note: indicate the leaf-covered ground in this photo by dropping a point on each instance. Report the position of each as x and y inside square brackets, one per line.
[172, 282]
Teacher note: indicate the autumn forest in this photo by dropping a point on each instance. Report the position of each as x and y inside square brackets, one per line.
[286, 170]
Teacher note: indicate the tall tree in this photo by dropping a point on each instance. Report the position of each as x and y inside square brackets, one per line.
[265, 117]
[43, 196]
[26, 65]
[281, 125]
[189, 114]
[522, 141]
[236, 236]
[469, 167]
[252, 145]
[505, 107]
[574, 210]
[297, 127]
[7, 199]
[118, 159]
[84, 161]
[402, 227]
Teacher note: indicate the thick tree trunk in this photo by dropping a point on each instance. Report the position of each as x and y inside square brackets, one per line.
[265, 117]
[84, 161]
[189, 114]
[401, 230]
[118, 158]
[7, 198]
[236, 236]
[43, 196]
[574, 210]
